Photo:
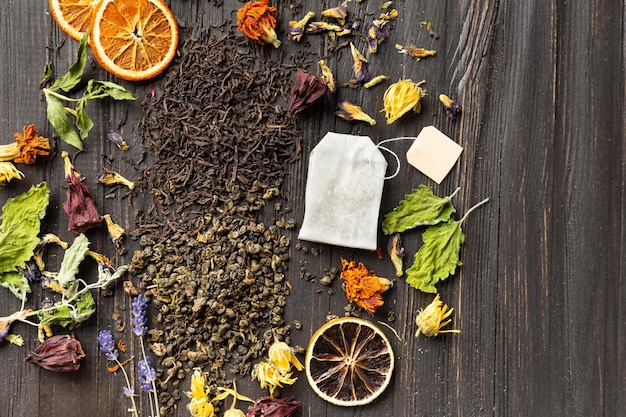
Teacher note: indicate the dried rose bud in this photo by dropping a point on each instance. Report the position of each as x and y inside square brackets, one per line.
[80, 207]
[307, 88]
[61, 353]
[274, 407]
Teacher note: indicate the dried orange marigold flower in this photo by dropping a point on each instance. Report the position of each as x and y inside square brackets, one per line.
[257, 21]
[26, 147]
[362, 286]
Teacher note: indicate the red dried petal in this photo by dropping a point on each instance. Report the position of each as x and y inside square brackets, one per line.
[307, 89]
[274, 407]
[61, 353]
[80, 206]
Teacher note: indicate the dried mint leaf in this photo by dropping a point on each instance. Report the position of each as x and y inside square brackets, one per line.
[21, 223]
[438, 257]
[15, 282]
[420, 208]
[74, 255]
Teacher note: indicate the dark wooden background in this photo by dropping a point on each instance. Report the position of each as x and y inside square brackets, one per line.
[540, 297]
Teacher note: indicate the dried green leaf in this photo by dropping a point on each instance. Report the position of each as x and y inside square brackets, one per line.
[60, 315]
[21, 223]
[75, 72]
[15, 282]
[74, 255]
[59, 118]
[83, 121]
[85, 307]
[420, 208]
[438, 257]
[100, 89]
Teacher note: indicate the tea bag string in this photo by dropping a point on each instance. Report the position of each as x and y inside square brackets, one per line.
[395, 155]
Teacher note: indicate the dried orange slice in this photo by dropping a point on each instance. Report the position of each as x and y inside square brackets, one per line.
[349, 362]
[133, 39]
[73, 16]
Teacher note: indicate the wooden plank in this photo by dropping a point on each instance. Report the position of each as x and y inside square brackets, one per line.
[539, 297]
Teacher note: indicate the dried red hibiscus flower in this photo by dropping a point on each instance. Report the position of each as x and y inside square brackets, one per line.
[307, 89]
[80, 207]
[61, 353]
[257, 21]
[274, 407]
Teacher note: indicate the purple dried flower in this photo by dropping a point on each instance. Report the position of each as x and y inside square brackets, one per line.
[145, 374]
[118, 140]
[128, 391]
[107, 345]
[140, 303]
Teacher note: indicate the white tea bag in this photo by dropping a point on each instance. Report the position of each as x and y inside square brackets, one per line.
[343, 192]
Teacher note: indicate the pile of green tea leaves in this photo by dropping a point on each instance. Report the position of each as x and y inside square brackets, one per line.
[439, 255]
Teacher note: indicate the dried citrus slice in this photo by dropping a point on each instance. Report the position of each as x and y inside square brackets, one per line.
[73, 16]
[349, 361]
[133, 39]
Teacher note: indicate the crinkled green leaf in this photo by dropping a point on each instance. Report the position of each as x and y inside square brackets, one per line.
[15, 282]
[75, 72]
[107, 88]
[438, 257]
[74, 255]
[21, 223]
[59, 118]
[420, 208]
[61, 316]
[85, 307]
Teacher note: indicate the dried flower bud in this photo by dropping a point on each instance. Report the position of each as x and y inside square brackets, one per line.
[79, 206]
[283, 356]
[319, 27]
[274, 407]
[352, 112]
[338, 13]
[361, 72]
[375, 81]
[26, 147]
[451, 107]
[257, 21]
[415, 52]
[116, 232]
[327, 76]
[296, 28]
[431, 32]
[431, 319]
[118, 140]
[61, 353]
[307, 89]
[362, 286]
[396, 253]
[108, 177]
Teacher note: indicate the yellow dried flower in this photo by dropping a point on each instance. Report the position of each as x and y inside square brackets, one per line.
[283, 356]
[338, 13]
[431, 319]
[401, 97]
[352, 112]
[270, 376]
[116, 232]
[327, 76]
[8, 172]
[199, 406]
[375, 81]
[232, 411]
[296, 28]
[415, 52]
[109, 177]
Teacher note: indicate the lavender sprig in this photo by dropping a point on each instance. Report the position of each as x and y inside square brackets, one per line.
[107, 345]
[146, 374]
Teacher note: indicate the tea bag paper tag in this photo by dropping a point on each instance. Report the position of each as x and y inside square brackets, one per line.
[433, 153]
[343, 192]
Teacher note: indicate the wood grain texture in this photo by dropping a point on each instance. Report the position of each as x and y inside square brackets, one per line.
[540, 297]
